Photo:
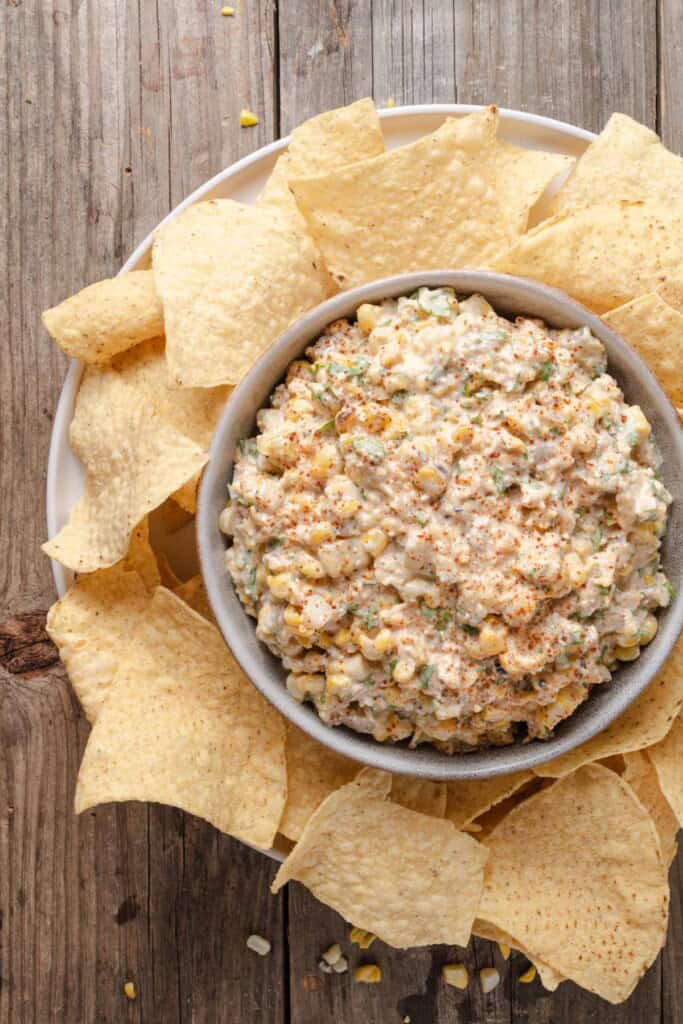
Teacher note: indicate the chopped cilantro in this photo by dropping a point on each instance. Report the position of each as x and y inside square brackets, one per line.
[392, 665]
[438, 302]
[597, 538]
[329, 427]
[275, 542]
[424, 676]
[421, 518]
[440, 618]
[669, 589]
[547, 369]
[499, 480]
[470, 630]
[370, 448]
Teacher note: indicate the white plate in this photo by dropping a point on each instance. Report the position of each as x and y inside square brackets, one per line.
[243, 181]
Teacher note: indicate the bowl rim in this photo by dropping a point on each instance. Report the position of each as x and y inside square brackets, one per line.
[238, 628]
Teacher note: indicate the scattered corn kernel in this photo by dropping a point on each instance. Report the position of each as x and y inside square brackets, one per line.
[504, 950]
[627, 653]
[333, 954]
[227, 12]
[488, 979]
[319, 533]
[374, 541]
[528, 976]
[455, 975]
[648, 630]
[257, 944]
[368, 974]
[362, 938]
[248, 119]
[341, 966]
[129, 989]
[391, 102]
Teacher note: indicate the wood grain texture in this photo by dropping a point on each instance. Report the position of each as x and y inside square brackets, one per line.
[113, 111]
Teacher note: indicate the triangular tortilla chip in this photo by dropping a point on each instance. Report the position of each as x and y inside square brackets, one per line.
[667, 758]
[468, 798]
[655, 330]
[313, 772]
[641, 776]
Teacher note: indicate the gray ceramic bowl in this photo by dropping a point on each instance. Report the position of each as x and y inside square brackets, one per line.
[509, 296]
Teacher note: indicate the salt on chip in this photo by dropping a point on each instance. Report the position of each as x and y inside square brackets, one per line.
[468, 798]
[192, 411]
[550, 979]
[421, 795]
[577, 877]
[452, 199]
[91, 625]
[183, 726]
[667, 758]
[107, 317]
[655, 330]
[323, 143]
[626, 161]
[645, 722]
[409, 878]
[641, 776]
[604, 255]
[193, 592]
[231, 279]
[313, 772]
[133, 460]
[672, 291]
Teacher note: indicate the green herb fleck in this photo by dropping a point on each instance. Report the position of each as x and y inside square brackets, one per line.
[370, 448]
[547, 369]
[499, 480]
[438, 302]
[424, 676]
[329, 427]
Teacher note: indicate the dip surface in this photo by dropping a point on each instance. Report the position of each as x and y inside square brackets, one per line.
[448, 526]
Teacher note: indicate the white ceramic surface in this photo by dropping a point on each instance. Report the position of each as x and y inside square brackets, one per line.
[243, 181]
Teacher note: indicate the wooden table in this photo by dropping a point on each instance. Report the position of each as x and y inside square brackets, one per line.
[111, 112]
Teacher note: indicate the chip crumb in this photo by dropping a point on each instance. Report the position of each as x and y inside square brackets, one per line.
[247, 118]
[488, 979]
[368, 974]
[333, 954]
[529, 975]
[324, 967]
[129, 989]
[341, 965]
[504, 950]
[227, 12]
[258, 945]
[455, 975]
[361, 938]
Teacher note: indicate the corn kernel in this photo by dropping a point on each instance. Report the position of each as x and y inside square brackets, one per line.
[348, 508]
[362, 938]
[374, 541]
[367, 316]
[455, 975]
[325, 462]
[384, 641]
[227, 12]
[528, 976]
[403, 671]
[638, 423]
[627, 639]
[279, 585]
[333, 954]
[299, 368]
[248, 119]
[311, 569]
[492, 639]
[626, 653]
[341, 637]
[488, 979]
[504, 950]
[292, 617]
[462, 434]
[430, 480]
[373, 648]
[368, 974]
[582, 546]
[298, 407]
[320, 533]
[648, 630]
[129, 989]
[336, 682]
[575, 569]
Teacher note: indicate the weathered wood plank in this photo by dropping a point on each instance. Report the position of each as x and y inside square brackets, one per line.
[112, 112]
[670, 36]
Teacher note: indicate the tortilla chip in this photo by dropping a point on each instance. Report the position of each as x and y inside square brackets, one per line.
[323, 143]
[667, 759]
[91, 625]
[605, 255]
[468, 798]
[454, 198]
[655, 330]
[626, 161]
[409, 878]
[192, 592]
[313, 772]
[170, 517]
[550, 979]
[672, 291]
[576, 875]
[231, 279]
[641, 776]
[107, 317]
[186, 496]
[141, 558]
[133, 461]
[645, 722]
[421, 795]
[183, 726]
[167, 575]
